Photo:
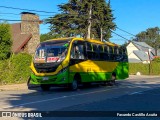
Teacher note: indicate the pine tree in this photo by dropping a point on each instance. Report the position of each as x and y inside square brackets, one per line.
[87, 18]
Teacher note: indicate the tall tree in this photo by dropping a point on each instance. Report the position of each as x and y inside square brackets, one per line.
[87, 18]
[150, 36]
[47, 36]
[5, 41]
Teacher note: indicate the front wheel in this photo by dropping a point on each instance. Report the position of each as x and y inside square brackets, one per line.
[74, 85]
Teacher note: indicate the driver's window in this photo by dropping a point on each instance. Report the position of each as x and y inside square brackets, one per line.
[77, 51]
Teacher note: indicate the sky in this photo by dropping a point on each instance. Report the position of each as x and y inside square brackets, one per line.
[133, 16]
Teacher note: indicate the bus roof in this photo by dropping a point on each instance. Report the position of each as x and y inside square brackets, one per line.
[50, 40]
[75, 38]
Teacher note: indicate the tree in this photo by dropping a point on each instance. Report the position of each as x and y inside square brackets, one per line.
[47, 36]
[86, 18]
[5, 41]
[151, 36]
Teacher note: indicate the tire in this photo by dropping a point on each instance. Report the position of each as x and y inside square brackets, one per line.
[74, 85]
[45, 87]
[113, 79]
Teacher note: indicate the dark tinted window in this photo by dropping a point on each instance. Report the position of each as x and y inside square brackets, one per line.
[110, 50]
[106, 49]
[89, 46]
[95, 48]
[120, 51]
[116, 50]
[100, 47]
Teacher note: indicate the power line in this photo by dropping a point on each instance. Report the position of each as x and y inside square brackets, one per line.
[3, 13]
[9, 13]
[128, 40]
[20, 20]
[25, 9]
[126, 31]
[119, 35]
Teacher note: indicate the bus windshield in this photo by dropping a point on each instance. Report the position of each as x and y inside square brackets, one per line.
[50, 52]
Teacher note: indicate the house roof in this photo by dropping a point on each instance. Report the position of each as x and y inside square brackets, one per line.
[142, 46]
[141, 55]
[134, 60]
[19, 39]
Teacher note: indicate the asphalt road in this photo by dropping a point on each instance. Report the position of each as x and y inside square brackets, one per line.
[137, 93]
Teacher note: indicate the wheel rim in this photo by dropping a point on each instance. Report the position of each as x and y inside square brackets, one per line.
[74, 84]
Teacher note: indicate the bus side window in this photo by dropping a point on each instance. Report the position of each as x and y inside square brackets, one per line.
[116, 53]
[77, 51]
[106, 53]
[101, 52]
[125, 57]
[95, 52]
[89, 50]
[111, 56]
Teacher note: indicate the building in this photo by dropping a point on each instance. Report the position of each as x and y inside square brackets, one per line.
[140, 52]
[25, 35]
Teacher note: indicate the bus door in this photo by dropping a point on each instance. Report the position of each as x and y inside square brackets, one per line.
[77, 59]
[91, 65]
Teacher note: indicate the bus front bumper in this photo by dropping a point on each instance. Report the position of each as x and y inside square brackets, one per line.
[52, 79]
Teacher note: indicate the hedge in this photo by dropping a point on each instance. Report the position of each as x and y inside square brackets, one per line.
[145, 69]
[15, 69]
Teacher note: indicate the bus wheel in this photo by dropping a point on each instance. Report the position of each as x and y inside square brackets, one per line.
[45, 87]
[74, 85]
[113, 79]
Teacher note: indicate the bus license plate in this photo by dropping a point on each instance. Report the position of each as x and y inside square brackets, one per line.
[45, 78]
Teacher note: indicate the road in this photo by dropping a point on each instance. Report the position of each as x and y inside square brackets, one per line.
[140, 93]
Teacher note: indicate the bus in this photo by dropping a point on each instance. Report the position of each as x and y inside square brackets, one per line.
[76, 61]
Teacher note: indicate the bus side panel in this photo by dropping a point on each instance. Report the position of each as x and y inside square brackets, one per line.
[92, 71]
[122, 71]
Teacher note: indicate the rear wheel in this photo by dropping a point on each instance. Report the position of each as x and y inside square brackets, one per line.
[45, 87]
[113, 79]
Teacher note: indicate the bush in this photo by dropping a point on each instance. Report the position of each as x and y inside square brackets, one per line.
[15, 69]
[157, 59]
[5, 41]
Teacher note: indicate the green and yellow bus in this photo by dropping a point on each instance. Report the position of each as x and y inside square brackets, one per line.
[74, 61]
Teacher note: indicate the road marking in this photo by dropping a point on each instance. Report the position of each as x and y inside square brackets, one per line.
[40, 101]
[62, 97]
[139, 92]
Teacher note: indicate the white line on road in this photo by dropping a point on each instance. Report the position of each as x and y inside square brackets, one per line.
[62, 97]
[23, 104]
[141, 92]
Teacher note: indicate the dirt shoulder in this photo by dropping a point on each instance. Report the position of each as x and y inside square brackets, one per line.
[14, 87]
